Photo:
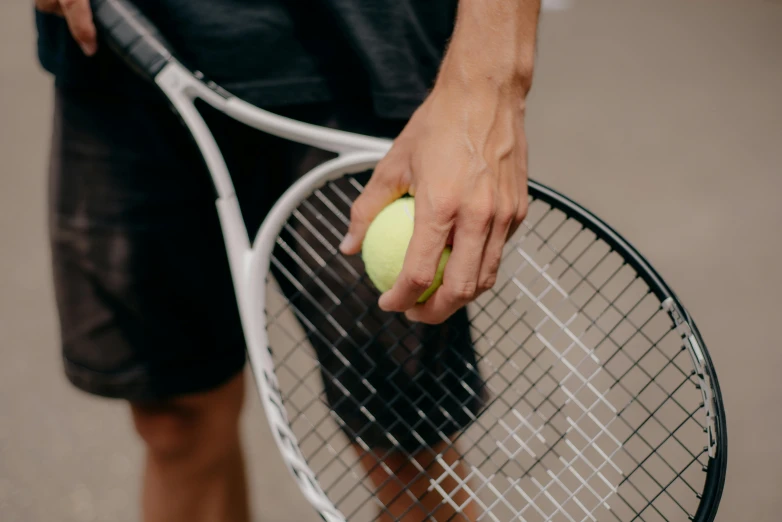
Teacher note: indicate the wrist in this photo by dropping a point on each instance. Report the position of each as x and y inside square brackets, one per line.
[483, 86]
[495, 77]
[493, 46]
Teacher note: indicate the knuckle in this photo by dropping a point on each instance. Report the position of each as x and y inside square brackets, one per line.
[419, 280]
[482, 217]
[482, 212]
[521, 211]
[380, 175]
[487, 282]
[477, 217]
[505, 218]
[489, 277]
[444, 209]
[506, 211]
[390, 172]
[463, 291]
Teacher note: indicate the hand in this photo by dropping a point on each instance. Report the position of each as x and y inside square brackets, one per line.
[463, 155]
[78, 14]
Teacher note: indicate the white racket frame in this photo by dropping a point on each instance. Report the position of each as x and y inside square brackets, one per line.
[250, 259]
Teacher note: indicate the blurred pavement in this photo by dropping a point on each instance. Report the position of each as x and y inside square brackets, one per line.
[664, 117]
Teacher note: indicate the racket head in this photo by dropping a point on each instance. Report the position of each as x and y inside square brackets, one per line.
[653, 471]
[603, 403]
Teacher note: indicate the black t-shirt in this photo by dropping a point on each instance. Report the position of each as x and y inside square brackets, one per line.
[280, 52]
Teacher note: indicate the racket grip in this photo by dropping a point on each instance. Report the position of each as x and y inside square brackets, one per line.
[132, 36]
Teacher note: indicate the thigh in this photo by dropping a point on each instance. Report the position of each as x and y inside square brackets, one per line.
[142, 283]
[143, 291]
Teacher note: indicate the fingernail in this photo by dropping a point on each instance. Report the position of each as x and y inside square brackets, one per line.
[348, 243]
[88, 48]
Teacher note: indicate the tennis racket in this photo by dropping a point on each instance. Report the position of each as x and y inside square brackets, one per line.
[577, 389]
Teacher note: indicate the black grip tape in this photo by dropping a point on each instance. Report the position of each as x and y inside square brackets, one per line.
[131, 35]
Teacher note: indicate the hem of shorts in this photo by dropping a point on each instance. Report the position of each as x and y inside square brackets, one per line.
[263, 93]
[142, 384]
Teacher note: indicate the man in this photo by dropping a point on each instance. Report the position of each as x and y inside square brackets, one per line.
[146, 307]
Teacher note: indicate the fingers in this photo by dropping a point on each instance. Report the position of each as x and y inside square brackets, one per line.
[387, 184]
[481, 232]
[48, 6]
[79, 17]
[461, 280]
[430, 233]
[521, 213]
[521, 186]
[495, 245]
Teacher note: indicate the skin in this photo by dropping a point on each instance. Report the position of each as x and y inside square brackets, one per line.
[194, 464]
[463, 155]
[78, 14]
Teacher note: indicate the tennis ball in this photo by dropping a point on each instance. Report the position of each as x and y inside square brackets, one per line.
[385, 246]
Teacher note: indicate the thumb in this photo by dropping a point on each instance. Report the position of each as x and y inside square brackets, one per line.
[385, 186]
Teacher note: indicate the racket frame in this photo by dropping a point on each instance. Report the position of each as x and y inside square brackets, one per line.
[250, 261]
[136, 40]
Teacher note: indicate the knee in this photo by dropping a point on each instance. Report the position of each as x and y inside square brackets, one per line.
[200, 428]
[170, 431]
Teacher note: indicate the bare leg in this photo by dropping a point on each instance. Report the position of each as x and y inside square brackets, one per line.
[405, 493]
[194, 463]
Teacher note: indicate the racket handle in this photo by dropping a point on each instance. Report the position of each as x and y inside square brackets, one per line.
[131, 35]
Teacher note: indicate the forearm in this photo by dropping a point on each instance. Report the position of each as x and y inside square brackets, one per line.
[493, 45]
[463, 155]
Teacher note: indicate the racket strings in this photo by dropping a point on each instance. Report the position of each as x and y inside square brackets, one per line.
[333, 377]
[337, 457]
[566, 344]
[654, 345]
[399, 392]
[607, 334]
[536, 432]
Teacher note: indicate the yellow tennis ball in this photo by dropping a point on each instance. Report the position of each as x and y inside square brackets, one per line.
[385, 246]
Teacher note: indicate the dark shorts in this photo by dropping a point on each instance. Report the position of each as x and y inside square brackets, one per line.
[146, 304]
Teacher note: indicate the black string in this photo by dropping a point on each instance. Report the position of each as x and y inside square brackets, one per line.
[321, 272]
